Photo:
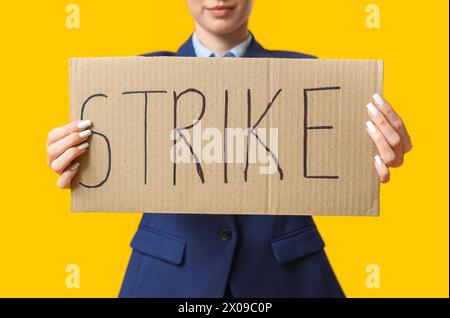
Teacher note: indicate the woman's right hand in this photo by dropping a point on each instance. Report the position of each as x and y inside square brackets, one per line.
[64, 145]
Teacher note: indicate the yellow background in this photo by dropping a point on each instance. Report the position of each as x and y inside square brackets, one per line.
[39, 235]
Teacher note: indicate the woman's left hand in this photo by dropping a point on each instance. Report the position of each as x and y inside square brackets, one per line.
[388, 132]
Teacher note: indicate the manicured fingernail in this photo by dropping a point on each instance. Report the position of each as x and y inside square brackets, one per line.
[85, 133]
[378, 161]
[54, 165]
[378, 99]
[372, 109]
[84, 124]
[371, 127]
[75, 166]
[59, 183]
[84, 145]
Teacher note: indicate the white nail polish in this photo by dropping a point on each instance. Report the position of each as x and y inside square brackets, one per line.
[378, 161]
[378, 99]
[54, 165]
[372, 109]
[75, 166]
[371, 127]
[84, 145]
[58, 183]
[85, 133]
[84, 124]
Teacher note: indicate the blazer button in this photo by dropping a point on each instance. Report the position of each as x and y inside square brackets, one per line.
[225, 234]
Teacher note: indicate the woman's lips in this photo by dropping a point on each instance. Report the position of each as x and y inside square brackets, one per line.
[220, 11]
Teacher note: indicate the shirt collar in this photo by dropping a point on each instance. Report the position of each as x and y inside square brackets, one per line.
[202, 51]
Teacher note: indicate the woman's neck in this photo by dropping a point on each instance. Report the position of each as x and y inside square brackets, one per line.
[221, 43]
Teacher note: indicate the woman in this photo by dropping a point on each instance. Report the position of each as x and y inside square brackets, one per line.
[181, 255]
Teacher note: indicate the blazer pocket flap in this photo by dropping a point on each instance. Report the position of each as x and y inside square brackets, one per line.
[159, 245]
[297, 244]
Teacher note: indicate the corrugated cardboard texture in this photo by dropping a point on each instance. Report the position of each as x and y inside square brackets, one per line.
[325, 157]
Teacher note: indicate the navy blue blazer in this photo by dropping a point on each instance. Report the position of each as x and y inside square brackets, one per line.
[186, 255]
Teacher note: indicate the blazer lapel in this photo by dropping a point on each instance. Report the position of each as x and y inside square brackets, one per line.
[256, 50]
[187, 49]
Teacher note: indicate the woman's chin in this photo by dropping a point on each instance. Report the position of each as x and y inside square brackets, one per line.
[222, 27]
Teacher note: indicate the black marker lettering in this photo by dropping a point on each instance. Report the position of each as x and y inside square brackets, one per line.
[179, 132]
[101, 135]
[306, 128]
[251, 131]
[145, 122]
[225, 140]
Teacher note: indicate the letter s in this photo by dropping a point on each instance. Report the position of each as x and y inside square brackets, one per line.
[104, 137]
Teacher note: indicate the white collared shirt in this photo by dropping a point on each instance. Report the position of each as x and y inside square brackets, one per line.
[237, 51]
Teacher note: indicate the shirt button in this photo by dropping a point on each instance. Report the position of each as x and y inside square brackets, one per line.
[225, 234]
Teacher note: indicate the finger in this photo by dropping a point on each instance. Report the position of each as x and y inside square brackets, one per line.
[56, 149]
[399, 156]
[391, 135]
[382, 170]
[383, 125]
[61, 132]
[61, 163]
[395, 120]
[385, 150]
[65, 179]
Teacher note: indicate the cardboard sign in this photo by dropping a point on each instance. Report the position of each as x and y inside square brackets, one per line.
[226, 136]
